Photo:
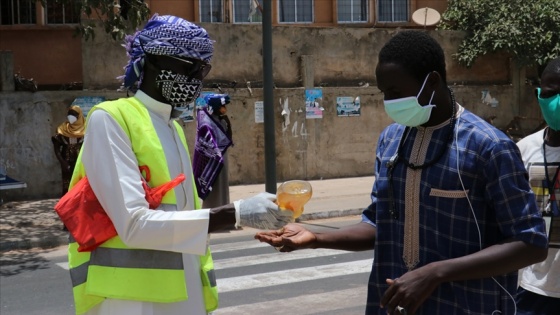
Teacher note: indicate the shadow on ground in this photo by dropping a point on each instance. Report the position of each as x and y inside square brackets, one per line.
[18, 261]
[28, 224]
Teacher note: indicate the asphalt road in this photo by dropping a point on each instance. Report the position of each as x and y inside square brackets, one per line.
[253, 278]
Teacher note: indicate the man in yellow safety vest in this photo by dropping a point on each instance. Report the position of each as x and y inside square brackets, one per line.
[159, 263]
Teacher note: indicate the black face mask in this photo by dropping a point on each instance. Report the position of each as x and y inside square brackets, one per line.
[181, 86]
[177, 89]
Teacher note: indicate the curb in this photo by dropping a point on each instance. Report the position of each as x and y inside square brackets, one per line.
[329, 214]
[25, 244]
[55, 241]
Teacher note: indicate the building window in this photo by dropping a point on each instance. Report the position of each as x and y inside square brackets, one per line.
[211, 11]
[59, 13]
[17, 12]
[352, 10]
[392, 10]
[247, 11]
[295, 11]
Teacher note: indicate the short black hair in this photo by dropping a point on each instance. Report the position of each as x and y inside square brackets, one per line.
[552, 67]
[417, 52]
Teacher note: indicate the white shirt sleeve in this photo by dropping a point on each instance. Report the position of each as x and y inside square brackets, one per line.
[112, 170]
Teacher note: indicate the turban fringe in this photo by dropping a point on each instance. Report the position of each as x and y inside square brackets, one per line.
[168, 36]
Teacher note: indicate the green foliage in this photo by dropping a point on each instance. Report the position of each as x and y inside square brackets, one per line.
[529, 30]
[108, 12]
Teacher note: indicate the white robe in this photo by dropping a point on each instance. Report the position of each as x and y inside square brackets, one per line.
[112, 170]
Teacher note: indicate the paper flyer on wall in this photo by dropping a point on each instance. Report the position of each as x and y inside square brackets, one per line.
[313, 107]
[189, 110]
[259, 112]
[200, 102]
[348, 106]
[87, 102]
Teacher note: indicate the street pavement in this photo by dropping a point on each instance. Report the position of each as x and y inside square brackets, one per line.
[35, 224]
[253, 278]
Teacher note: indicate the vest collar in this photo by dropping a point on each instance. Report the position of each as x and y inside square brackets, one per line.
[161, 109]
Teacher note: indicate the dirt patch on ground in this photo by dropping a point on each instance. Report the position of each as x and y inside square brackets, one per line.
[30, 220]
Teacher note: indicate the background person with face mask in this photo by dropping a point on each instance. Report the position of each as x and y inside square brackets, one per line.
[539, 290]
[210, 160]
[67, 143]
[159, 263]
[452, 217]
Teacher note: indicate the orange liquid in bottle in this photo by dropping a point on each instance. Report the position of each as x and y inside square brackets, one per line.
[293, 195]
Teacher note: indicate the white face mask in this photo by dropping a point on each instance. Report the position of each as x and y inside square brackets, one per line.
[72, 119]
[407, 111]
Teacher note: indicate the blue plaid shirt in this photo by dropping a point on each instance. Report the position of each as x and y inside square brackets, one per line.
[496, 183]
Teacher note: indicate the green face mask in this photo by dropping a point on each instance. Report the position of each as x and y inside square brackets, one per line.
[407, 111]
[550, 108]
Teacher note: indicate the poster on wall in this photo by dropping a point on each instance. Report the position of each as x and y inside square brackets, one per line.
[313, 107]
[188, 113]
[348, 106]
[259, 112]
[200, 102]
[87, 102]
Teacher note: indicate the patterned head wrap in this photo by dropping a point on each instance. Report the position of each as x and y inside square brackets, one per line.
[75, 130]
[165, 35]
[215, 101]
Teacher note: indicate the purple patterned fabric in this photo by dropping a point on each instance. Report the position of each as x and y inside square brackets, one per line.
[165, 35]
[211, 144]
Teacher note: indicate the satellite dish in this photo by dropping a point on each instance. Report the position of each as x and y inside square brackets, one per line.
[426, 16]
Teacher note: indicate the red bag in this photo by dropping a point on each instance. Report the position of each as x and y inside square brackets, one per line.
[87, 221]
[83, 216]
[155, 195]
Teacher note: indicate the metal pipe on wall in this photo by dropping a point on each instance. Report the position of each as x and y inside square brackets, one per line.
[268, 85]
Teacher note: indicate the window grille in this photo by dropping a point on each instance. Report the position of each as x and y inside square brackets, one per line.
[17, 12]
[352, 10]
[295, 11]
[211, 11]
[59, 13]
[247, 11]
[392, 10]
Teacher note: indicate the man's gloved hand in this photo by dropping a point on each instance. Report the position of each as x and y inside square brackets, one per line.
[260, 212]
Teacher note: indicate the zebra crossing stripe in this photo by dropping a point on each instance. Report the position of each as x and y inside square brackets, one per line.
[222, 264]
[275, 257]
[293, 275]
[226, 247]
[63, 265]
[320, 303]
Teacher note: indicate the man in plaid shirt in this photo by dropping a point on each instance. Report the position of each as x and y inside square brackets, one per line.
[452, 217]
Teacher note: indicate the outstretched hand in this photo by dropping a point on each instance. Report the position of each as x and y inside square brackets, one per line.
[289, 238]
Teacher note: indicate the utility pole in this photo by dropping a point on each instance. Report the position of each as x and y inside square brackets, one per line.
[268, 85]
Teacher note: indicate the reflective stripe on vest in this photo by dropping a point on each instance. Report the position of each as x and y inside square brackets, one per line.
[114, 270]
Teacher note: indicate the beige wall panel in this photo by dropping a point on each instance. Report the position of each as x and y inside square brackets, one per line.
[49, 56]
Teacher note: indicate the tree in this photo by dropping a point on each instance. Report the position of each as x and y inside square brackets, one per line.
[528, 30]
[118, 17]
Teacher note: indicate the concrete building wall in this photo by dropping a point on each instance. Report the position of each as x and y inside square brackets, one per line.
[50, 56]
[330, 147]
[438, 5]
[341, 57]
[185, 9]
[340, 60]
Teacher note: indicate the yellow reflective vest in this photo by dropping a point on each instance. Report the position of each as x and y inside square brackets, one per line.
[116, 271]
